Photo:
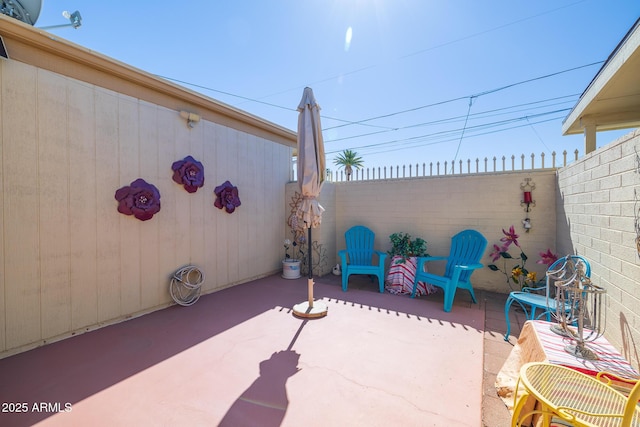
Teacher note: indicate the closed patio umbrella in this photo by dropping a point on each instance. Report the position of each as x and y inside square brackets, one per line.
[311, 172]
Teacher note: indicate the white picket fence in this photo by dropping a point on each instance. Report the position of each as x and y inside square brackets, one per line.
[451, 168]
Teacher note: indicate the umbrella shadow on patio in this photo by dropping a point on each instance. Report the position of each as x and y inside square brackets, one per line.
[265, 401]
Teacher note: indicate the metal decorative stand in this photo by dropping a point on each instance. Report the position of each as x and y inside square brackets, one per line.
[578, 302]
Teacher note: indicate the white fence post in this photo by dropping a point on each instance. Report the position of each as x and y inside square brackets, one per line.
[361, 174]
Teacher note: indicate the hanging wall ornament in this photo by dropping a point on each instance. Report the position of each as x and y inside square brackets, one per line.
[188, 172]
[227, 197]
[139, 199]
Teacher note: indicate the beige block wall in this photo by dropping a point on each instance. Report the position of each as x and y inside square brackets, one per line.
[69, 262]
[436, 208]
[598, 216]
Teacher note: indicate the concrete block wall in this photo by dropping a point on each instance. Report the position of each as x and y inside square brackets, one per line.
[599, 215]
[436, 208]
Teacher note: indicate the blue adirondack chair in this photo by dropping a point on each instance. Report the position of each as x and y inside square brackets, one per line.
[467, 248]
[530, 300]
[358, 258]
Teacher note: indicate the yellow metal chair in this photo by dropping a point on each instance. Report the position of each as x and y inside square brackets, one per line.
[566, 395]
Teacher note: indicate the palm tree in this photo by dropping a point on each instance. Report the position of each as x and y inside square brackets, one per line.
[348, 159]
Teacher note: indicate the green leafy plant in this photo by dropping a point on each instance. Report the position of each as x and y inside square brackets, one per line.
[403, 246]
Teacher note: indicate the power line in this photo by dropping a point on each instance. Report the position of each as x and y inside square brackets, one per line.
[538, 135]
[538, 78]
[257, 101]
[491, 29]
[364, 121]
[387, 129]
[420, 143]
[464, 127]
[421, 51]
[483, 114]
[225, 93]
[476, 95]
[455, 132]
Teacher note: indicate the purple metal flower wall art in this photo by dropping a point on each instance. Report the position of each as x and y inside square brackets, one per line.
[227, 197]
[188, 172]
[139, 199]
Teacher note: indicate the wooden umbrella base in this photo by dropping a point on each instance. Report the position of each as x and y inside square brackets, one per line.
[310, 308]
[318, 309]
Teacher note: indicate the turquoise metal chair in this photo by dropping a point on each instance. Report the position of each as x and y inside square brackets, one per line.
[358, 258]
[467, 248]
[531, 299]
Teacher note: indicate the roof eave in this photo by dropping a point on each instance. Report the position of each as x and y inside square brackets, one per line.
[581, 114]
[44, 50]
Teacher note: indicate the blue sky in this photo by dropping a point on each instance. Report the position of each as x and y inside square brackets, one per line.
[399, 81]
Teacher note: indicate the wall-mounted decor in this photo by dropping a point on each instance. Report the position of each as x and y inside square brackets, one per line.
[527, 188]
[227, 197]
[139, 199]
[188, 172]
[319, 252]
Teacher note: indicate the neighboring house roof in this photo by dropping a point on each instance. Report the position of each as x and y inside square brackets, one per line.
[41, 49]
[612, 99]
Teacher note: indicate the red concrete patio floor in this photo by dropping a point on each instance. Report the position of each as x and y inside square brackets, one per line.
[239, 357]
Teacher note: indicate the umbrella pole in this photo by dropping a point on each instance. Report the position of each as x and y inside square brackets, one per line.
[310, 281]
[308, 309]
[311, 170]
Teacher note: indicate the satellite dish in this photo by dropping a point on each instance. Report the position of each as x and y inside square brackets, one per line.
[26, 11]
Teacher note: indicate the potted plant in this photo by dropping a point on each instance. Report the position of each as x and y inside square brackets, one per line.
[403, 247]
[290, 266]
[404, 252]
